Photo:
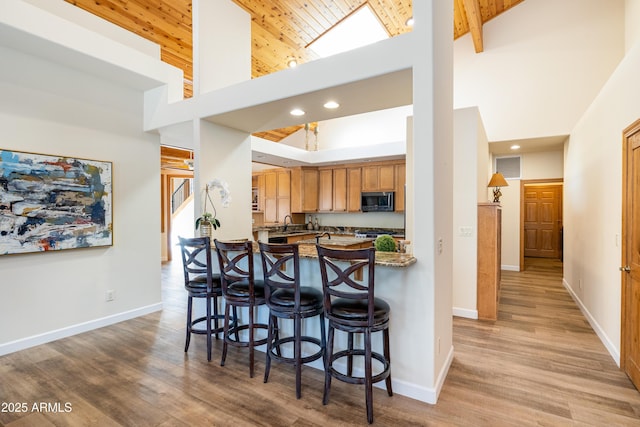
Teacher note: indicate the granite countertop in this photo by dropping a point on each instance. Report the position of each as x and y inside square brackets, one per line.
[344, 241]
[386, 259]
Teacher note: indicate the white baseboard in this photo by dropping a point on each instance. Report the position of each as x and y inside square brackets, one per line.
[404, 388]
[611, 348]
[510, 267]
[465, 312]
[24, 343]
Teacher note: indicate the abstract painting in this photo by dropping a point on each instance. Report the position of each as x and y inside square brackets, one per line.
[50, 203]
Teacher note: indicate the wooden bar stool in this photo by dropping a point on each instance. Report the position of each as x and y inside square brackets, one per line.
[286, 299]
[240, 289]
[200, 282]
[350, 306]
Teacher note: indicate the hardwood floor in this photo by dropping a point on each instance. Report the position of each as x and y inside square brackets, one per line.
[538, 364]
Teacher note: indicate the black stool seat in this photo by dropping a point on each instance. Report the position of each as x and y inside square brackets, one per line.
[198, 284]
[358, 310]
[310, 298]
[242, 289]
[348, 279]
[286, 299]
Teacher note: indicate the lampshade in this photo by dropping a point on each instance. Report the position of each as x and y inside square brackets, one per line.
[497, 180]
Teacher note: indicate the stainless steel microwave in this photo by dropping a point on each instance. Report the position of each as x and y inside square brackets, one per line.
[377, 201]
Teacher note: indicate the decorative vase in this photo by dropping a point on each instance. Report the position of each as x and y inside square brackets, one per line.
[206, 230]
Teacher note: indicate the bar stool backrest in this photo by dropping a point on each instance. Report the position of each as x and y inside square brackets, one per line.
[339, 269]
[281, 267]
[196, 259]
[236, 263]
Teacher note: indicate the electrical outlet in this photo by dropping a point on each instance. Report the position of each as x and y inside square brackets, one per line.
[465, 231]
[440, 245]
[579, 283]
[110, 295]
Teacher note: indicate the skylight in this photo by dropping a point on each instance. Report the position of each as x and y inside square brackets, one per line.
[358, 29]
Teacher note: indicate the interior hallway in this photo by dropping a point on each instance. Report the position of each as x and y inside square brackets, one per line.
[539, 364]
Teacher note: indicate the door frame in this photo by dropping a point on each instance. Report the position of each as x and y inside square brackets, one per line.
[166, 223]
[626, 221]
[523, 183]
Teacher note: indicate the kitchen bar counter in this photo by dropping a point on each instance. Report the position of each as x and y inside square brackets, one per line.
[386, 259]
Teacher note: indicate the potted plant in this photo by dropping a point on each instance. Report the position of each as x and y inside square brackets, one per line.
[207, 222]
[385, 243]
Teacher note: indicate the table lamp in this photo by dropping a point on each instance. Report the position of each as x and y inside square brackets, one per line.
[497, 181]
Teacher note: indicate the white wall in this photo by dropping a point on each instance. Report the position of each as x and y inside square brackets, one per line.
[631, 27]
[543, 63]
[593, 200]
[226, 154]
[224, 33]
[539, 165]
[360, 130]
[470, 172]
[51, 109]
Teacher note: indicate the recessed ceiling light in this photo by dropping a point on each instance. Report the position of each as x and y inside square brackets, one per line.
[515, 147]
[292, 63]
[297, 112]
[409, 22]
[331, 105]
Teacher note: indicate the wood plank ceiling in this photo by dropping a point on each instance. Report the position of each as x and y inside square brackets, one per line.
[280, 29]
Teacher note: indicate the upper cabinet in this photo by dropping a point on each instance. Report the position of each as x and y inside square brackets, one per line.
[333, 190]
[324, 189]
[354, 188]
[277, 199]
[378, 178]
[340, 190]
[304, 190]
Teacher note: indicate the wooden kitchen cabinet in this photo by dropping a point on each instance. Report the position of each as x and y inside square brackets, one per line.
[325, 193]
[354, 188]
[340, 190]
[401, 177]
[489, 259]
[304, 190]
[332, 192]
[277, 200]
[378, 178]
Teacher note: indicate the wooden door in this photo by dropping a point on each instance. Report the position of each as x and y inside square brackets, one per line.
[542, 220]
[630, 333]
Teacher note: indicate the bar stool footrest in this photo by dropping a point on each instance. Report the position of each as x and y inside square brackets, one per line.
[307, 359]
[359, 380]
[232, 331]
[195, 328]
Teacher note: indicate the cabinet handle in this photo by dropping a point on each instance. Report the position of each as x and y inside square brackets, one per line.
[626, 269]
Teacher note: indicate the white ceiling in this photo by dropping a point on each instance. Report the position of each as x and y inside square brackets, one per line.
[532, 145]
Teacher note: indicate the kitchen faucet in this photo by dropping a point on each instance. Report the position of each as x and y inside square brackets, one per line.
[326, 233]
[284, 222]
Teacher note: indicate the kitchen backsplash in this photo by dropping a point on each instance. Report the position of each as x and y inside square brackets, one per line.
[368, 219]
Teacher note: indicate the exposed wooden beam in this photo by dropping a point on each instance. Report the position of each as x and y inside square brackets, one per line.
[472, 9]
